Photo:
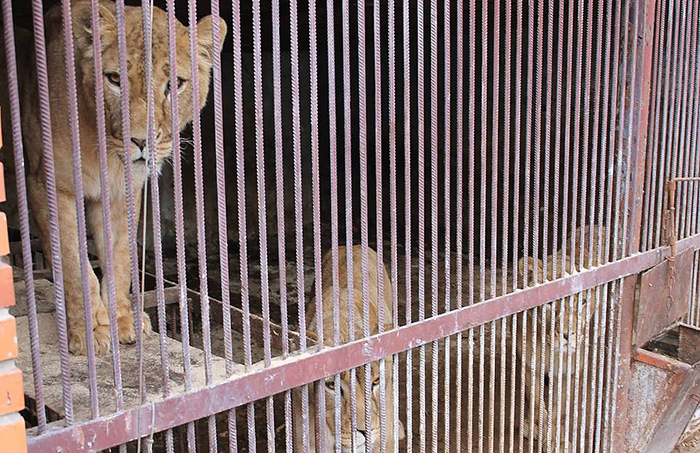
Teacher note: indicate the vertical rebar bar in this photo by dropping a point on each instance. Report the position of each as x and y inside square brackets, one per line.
[23, 208]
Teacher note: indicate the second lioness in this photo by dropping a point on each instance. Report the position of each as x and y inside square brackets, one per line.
[362, 432]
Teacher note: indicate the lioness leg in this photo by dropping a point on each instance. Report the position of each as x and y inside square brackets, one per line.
[71, 270]
[121, 263]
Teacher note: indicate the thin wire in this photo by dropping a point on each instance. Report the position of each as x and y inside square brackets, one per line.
[143, 293]
[143, 279]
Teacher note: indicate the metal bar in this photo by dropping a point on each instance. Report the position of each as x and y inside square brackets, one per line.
[643, 23]
[23, 208]
[584, 77]
[54, 227]
[545, 234]
[653, 132]
[107, 261]
[472, 200]
[677, 151]
[407, 208]
[80, 208]
[376, 31]
[536, 220]
[179, 219]
[684, 151]
[434, 208]
[691, 206]
[364, 221]
[447, 86]
[199, 206]
[393, 213]
[131, 210]
[294, 38]
[347, 104]
[147, 15]
[668, 99]
[295, 371]
[519, 12]
[693, 225]
[527, 212]
[601, 255]
[421, 217]
[587, 427]
[332, 125]
[494, 157]
[459, 233]
[482, 218]
[262, 214]
[221, 208]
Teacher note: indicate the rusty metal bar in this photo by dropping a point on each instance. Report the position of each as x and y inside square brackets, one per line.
[50, 175]
[376, 31]
[472, 200]
[179, 219]
[669, 78]
[447, 86]
[199, 207]
[684, 148]
[347, 104]
[393, 214]
[459, 206]
[519, 11]
[434, 208]
[332, 125]
[21, 181]
[643, 26]
[262, 216]
[246, 387]
[147, 15]
[80, 206]
[653, 152]
[107, 260]
[296, 124]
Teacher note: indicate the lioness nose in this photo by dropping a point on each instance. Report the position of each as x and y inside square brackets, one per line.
[141, 143]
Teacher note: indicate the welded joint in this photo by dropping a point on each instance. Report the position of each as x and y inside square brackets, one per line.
[670, 228]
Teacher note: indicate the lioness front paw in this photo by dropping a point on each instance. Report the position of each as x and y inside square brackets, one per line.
[127, 333]
[77, 342]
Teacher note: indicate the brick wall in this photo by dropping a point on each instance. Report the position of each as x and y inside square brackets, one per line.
[11, 390]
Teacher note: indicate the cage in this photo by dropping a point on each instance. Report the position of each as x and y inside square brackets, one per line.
[350, 226]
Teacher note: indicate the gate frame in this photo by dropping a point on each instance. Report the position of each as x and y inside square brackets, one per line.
[637, 136]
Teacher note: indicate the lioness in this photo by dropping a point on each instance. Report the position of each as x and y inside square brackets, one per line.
[563, 341]
[363, 433]
[140, 155]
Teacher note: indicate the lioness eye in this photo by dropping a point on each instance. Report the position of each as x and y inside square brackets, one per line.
[113, 78]
[376, 381]
[330, 385]
[180, 84]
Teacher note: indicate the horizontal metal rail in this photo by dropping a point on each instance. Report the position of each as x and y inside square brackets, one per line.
[296, 370]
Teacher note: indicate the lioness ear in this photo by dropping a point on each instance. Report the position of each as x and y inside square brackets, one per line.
[533, 265]
[402, 431]
[205, 40]
[82, 23]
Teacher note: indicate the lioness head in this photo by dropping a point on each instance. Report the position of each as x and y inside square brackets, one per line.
[363, 433]
[562, 325]
[113, 79]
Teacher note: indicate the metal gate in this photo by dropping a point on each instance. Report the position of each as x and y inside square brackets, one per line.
[520, 180]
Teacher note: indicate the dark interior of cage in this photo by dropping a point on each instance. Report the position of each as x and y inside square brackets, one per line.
[526, 181]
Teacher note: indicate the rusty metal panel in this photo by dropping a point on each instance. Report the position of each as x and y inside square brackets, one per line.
[663, 391]
[663, 296]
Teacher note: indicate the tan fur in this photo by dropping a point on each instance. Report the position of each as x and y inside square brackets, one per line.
[345, 378]
[570, 337]
[62, 146]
